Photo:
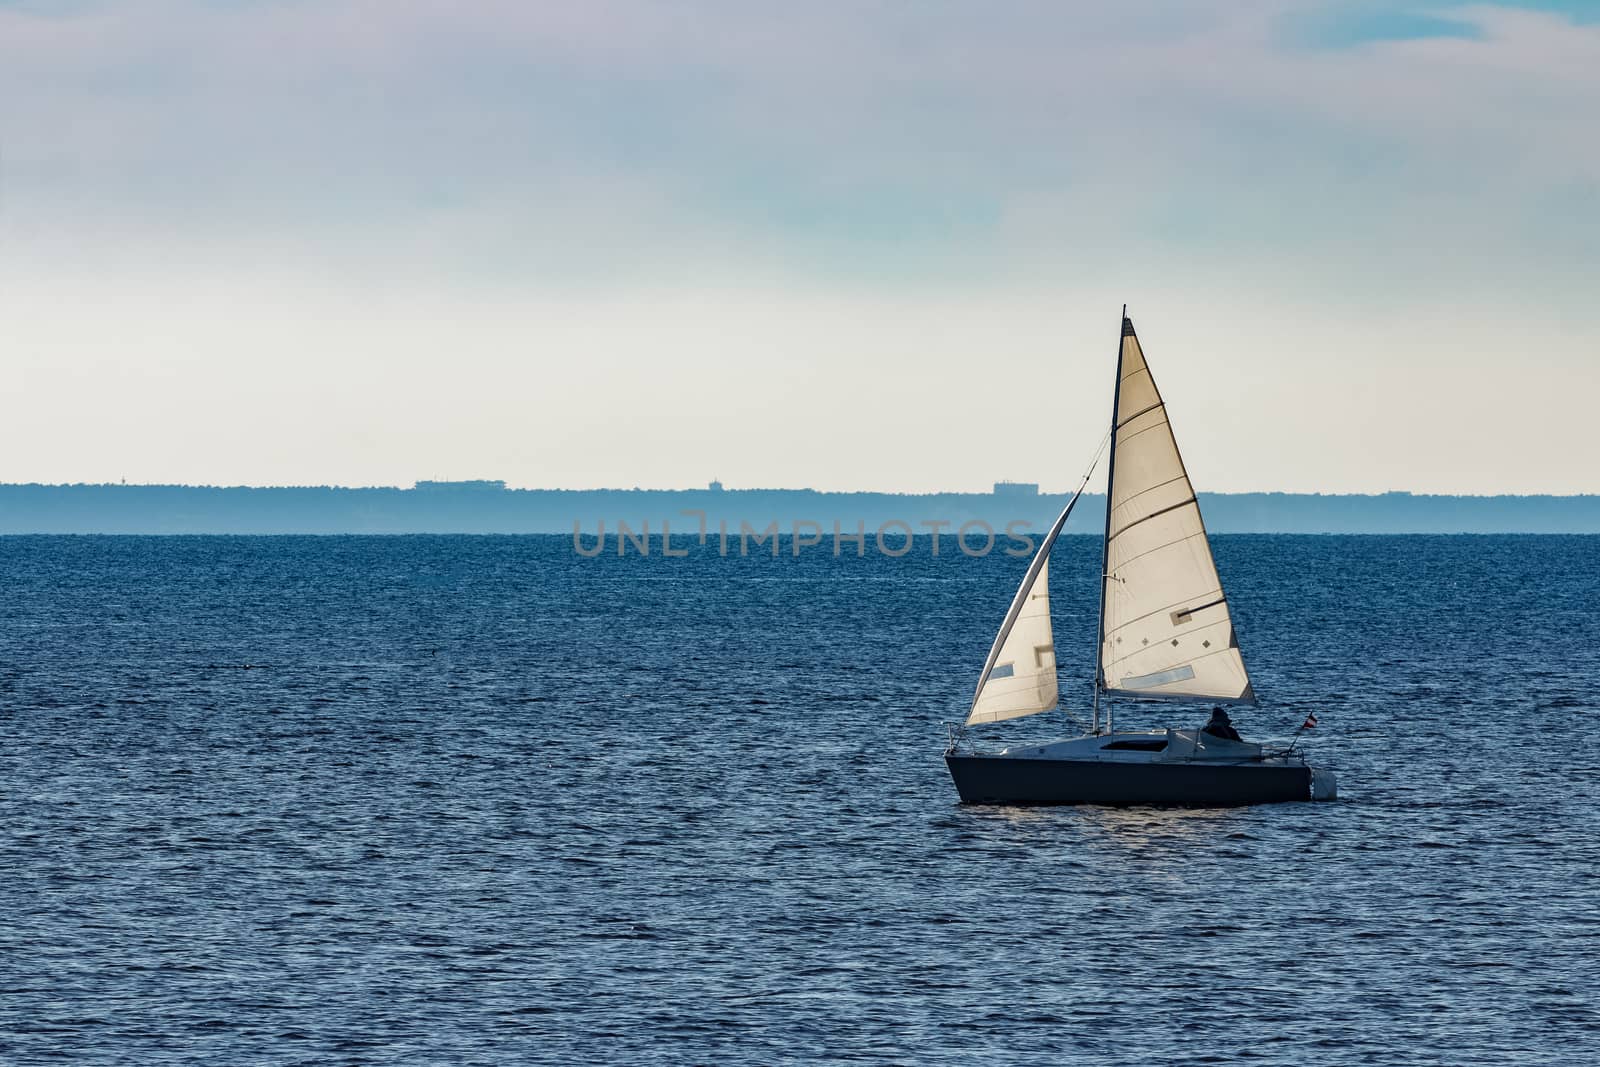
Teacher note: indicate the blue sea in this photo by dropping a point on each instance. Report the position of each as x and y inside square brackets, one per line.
[458, 800]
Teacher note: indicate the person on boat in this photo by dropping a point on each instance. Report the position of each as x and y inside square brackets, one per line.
[1221, 726]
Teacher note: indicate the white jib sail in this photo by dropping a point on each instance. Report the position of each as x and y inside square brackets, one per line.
[1019, 676]
[1166, 631]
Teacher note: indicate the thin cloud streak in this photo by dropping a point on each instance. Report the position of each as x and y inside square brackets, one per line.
[308, 114]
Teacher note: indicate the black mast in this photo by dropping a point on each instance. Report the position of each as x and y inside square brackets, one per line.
[1105, 544]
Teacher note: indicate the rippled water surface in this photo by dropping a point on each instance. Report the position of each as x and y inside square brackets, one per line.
[480, 800]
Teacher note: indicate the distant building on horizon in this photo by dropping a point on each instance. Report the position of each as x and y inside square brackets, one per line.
[1016, 488]
[478, 485]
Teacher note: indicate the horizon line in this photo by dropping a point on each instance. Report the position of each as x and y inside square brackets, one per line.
[490, 486]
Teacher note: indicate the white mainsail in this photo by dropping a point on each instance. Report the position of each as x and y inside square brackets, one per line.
[1165, 629]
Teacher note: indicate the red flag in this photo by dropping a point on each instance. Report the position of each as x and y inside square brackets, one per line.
[1310, 723]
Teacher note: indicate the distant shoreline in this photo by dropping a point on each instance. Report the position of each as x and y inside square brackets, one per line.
[488, 507]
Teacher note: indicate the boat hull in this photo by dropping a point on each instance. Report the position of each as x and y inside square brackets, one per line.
[1004, 780]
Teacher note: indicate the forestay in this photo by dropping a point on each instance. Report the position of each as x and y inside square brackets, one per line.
[1165, 631]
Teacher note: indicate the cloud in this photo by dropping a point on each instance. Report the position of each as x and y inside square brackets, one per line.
[865, 203]
[615, 134]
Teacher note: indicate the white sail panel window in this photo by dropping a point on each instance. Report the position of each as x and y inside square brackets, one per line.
[1166, 631]
[1022, 677]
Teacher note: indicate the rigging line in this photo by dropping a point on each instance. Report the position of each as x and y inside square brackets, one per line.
[1072, 720]
[1095, 462]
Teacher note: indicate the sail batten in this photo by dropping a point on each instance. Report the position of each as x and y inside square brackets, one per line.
[1166, 631]
[1155, 515]
[1172, 609]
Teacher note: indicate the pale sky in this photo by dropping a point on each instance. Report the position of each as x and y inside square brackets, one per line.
[876, 245]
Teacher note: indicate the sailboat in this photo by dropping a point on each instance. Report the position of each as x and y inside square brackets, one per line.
[1165, 634]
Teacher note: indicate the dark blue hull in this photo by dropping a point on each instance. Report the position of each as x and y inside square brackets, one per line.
[1002, 780]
